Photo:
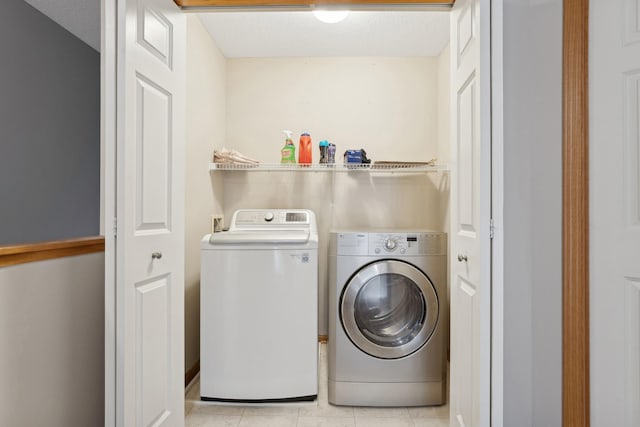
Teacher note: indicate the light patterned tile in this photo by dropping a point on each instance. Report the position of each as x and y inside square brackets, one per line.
[272, 410]
[322, 379]
[381, 412]
[268, 421]
[383, 422]
[194, 391]
[188, 406]
[323, 359]
[431, 422]
[318, 414]
[324, 409]
[209, 420]
[323, 392]
[429, 411]
[326, 422]
[206, 408]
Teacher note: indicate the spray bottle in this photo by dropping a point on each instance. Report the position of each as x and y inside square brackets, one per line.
[288, 152]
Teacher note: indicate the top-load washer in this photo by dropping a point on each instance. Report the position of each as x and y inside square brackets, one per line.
[388, 328]
[259, 308]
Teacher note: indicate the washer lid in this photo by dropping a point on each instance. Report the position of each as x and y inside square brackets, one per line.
[389, 309]
[268, 229]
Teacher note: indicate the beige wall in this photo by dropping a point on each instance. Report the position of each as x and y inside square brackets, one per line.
[52, 342]
[444, 105]
[389, 106]
[206, 77]
[444, 130]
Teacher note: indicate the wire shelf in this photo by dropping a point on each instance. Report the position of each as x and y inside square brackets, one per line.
[329, 167]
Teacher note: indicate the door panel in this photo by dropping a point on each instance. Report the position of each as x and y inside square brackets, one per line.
[155, 33]
[632, 350]
[466, 140]
[631, 25]
[615, 212]
[153, 364]
[150, 205]
[153, 140]
[465, 379]
[632, 143]
[463, 33]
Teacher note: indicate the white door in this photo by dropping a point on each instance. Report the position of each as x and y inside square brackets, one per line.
[614, 105]
[470, 215]
[150, 211]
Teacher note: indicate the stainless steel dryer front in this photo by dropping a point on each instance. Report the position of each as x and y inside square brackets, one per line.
[388, 318]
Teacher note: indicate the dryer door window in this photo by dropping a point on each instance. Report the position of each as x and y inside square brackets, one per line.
[389, 309]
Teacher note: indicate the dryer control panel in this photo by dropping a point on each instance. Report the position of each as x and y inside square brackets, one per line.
[407, 243]
[391, 243]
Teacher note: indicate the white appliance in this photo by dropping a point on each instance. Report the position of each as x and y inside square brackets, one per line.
[259, 308]
[388, 318]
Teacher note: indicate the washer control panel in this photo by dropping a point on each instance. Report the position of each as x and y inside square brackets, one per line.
[266, 218]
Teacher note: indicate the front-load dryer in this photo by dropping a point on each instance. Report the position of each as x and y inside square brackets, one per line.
[388, 318]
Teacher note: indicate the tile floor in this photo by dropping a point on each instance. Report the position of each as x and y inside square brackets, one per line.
[313, 414]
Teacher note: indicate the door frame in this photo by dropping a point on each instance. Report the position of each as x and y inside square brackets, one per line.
[108, 142]
[575, 214]
[575, 211]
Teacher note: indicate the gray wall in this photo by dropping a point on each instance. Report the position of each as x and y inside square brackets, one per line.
[49, 129]
[532, 211]
[52, 342]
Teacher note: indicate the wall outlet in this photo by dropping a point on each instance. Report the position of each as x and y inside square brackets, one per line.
[217, 223]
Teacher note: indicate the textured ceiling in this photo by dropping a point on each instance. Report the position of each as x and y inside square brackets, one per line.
[80, 17]
[277, 34]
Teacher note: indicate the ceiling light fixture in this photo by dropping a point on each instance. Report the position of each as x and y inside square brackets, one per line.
[330, 16]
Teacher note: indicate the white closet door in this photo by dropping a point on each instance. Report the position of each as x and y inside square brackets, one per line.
[150, 214]
[470, 207]
[614, 105]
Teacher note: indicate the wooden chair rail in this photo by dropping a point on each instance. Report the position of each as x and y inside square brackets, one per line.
[31, 252]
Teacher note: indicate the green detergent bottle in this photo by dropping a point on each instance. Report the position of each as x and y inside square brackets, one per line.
[288, 152]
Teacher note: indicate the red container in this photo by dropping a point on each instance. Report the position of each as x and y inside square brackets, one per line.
[304, 153]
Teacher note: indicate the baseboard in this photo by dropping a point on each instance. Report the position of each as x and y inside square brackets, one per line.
[191, 373]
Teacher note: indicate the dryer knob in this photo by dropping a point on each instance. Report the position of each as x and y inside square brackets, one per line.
[268, 217]
[390, 244]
